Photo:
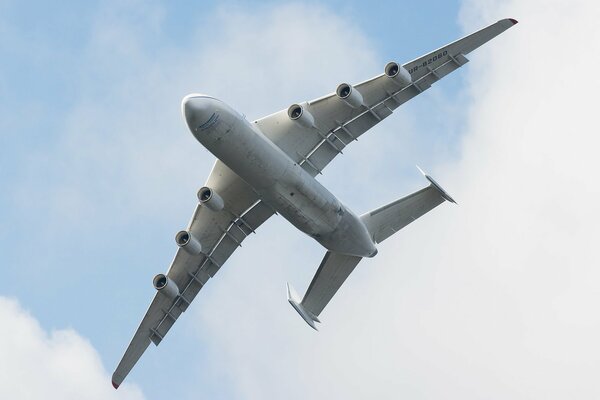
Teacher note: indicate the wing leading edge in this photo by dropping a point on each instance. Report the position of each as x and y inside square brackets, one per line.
[220, 234]
[336, 124]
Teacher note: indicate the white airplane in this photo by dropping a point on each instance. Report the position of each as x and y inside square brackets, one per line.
[269, 166]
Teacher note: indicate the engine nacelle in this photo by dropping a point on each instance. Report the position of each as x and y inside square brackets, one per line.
[210, 199]
[166, 286]
[188, 242]
[300, 115]
[349, 95]
[398, 74]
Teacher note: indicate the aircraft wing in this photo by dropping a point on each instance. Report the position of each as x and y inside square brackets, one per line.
[336, 124]
[220, 233]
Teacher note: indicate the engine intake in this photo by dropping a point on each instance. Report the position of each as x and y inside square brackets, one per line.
[349, 95]
[398, 74]
[188, 242]
[210, 199]
[298, 114]
[166, 286]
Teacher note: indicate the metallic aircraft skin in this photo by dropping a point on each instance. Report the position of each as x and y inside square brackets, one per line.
[269, 166]
[279, 181]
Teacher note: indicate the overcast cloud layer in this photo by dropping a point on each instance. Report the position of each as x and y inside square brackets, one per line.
[496, 298]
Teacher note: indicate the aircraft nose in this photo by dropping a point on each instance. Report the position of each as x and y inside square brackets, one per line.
[197, 109]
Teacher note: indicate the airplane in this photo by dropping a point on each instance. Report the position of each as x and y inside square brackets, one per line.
[268, 167]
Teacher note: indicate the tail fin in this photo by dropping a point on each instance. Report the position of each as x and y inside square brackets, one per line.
[442, 192]
[306, 315]
[389, 219]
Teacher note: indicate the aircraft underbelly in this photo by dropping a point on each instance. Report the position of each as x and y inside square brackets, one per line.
[285, 185]
[312, 216]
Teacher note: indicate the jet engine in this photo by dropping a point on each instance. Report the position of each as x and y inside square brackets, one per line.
[166, 286]
[297, 113]
[349, 95]
[188, 242]
[398, 74]
[210, 199]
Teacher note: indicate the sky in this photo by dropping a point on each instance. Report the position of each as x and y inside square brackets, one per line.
[494, 298]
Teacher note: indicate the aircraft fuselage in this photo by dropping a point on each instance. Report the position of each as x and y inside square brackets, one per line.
[277, 179]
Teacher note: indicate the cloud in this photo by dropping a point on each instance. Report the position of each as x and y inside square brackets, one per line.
[124, 132]
[123, 164]
[61, 364]
[119, 169]
[491, 299]
[495, 298]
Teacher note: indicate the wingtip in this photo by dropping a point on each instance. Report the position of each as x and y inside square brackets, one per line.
[115, 384]
[514, 21]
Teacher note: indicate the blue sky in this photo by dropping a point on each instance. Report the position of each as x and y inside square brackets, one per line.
[99, 172]
[48, 72]
[73, 247]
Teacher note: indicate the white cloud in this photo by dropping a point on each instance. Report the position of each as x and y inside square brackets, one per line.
[123, 154]
[491, 299]
[61, 365]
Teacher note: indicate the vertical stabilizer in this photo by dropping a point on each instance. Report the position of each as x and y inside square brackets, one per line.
[306, 315]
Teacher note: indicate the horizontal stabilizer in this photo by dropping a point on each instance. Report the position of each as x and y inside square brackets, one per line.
[331, 274]
[384, 221]
[306, 315]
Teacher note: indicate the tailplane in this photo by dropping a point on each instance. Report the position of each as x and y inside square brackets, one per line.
[381, 224]
[389, 219]
[330, 276]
